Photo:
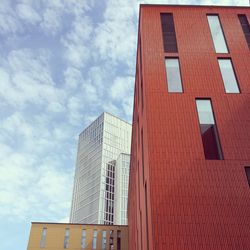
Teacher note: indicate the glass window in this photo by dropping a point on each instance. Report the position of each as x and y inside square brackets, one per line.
[168, 33]
[94, 239]
[217, 34]
[247, 169]
[43, 238]
[208, 128]
[228, 76]
[173, 75]
[118, 240]
[66, 238]
[111, 239]
[245, 27]
[83, 242]
[104, 239]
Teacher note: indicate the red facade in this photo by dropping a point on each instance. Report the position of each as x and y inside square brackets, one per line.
[178, 199]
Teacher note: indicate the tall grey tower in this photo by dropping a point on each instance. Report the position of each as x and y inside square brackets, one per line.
[102, 171]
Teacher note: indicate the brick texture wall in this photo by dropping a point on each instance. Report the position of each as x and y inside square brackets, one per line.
[177, 198]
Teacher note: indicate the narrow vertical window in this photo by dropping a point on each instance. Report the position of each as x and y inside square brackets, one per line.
[118, 240]
[168, 33]
[209, 133]
[104, 239]
[228, 76]
[94, 243]
[66, 238]
[142, 154]
[83, 241]
[173, 75]
[245, 27]
[247, 169]
[111, 239]
[217, 34]
[43, 238]
[146, 205]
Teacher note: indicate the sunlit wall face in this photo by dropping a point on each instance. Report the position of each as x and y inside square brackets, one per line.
[121, 187]
[116, 140]
[99, 145]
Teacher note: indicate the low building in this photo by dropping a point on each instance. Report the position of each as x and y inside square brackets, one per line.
[58, 236]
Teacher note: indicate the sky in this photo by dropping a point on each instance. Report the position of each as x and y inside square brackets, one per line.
[62, 63]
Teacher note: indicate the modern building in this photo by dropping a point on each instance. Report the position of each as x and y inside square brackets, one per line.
[59, 236]
[102, 172]
[190, 157]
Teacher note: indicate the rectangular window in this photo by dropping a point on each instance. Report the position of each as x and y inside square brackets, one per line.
[209, 133]
[173, 75]
[43, 238]
[245, 27]
[94, 239]
[83, 241]
[217, 34]
[168, 33]
[104, 239]
[247, 169]
[228, 76]
[66, 238]
[111, 239]
[118, 240]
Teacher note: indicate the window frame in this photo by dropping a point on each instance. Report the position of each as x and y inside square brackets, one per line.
[223, 33]
[234, 72]
[245, 16]
[247, 177]
[180, 73]
[220, 151]
[163, 44]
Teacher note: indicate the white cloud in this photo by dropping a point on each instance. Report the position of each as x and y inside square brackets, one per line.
[72, 78]
[26, 193]
[51, 21]
[8, 21]
[116, 37]
[27, 13]
[75, 42]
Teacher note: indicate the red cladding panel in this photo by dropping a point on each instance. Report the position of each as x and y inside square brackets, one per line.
[177, 198]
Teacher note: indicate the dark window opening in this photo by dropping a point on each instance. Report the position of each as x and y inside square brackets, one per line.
[142, 154]
[118, 240]
[245, 27]
[168, 32]
[247, 169]
[146, 204]
[209, 132]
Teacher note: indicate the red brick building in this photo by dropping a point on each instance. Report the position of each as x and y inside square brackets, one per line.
[190, 163]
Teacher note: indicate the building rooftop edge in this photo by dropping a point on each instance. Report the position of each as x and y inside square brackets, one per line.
[65, 223]
[193, 5]
[105, 112]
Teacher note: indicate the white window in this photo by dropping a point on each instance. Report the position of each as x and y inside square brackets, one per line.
[217, 34]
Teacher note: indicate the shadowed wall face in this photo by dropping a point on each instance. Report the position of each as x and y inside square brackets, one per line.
[190, 157]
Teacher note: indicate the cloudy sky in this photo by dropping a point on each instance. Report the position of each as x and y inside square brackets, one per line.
[62, 63]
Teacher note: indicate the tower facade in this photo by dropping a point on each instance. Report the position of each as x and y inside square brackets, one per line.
[100, 145]
[190, 162]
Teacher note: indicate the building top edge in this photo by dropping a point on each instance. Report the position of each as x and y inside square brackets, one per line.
[61, 223]
[105, 112]
[193, 5]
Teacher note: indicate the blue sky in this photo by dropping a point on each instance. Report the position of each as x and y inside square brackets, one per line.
[62, 63]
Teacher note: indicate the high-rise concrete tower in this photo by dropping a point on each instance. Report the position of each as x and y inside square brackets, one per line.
[101, 175]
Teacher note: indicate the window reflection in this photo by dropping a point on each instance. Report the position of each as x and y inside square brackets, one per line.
[173, 75]
[228, 76]
[209, 132]
[217, 34]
